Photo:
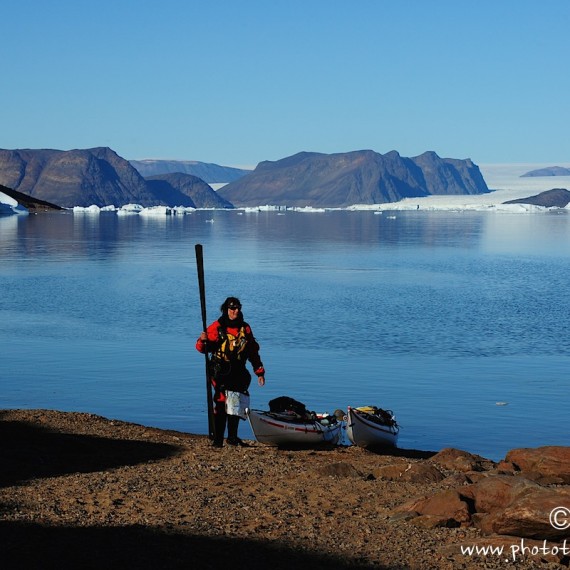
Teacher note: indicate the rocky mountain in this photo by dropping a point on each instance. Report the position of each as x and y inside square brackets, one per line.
[359, 177]
[549, 171]
[211, 173]
[171, 186]
[94, 176]
[100, 176]
[555, 198]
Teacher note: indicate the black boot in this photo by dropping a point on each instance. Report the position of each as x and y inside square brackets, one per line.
[233, 439]
[220, 428]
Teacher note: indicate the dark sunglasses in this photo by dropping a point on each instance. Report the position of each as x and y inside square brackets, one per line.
[234, 307]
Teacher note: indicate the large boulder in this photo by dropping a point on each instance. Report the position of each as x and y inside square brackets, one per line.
[449, 504]
[498, 492]
[549, 464]
[531, 514]
[458, 460]
[497, 505]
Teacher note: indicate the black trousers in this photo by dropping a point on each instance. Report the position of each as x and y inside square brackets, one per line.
[237, 378]
[220, 420]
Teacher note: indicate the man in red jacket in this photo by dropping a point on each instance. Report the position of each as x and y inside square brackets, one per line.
[232, 344]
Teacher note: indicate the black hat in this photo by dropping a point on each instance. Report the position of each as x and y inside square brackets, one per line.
[230, 302]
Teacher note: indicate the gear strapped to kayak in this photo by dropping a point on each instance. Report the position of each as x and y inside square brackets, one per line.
[287, 404]
[378, 415]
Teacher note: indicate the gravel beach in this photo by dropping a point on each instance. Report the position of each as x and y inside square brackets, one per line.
[82, 491]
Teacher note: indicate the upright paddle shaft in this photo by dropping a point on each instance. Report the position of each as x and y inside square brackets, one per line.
[201, 285]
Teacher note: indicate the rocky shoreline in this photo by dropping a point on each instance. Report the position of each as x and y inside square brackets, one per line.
[82, 491]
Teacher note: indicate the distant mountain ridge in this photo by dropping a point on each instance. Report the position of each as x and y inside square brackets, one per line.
[210, 173]
[358, 177]
[178, 183]
[548, 171]
[98, 176]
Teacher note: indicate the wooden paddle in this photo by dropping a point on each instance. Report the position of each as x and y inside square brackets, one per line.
[202, 287]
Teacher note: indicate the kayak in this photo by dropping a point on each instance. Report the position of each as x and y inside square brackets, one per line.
[272, 428]
[369, 426]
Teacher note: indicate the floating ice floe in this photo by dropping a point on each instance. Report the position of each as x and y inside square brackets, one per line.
[282, 209]
[129, 209]
[156, 211]
[265, 208]
[9, 206]
[182, 210]
[93, 209]
[309, 210]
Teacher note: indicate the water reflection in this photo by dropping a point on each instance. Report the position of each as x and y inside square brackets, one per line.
[361, 228]
[75, 235]
[106, 234]
[8, 231]
[543, 234]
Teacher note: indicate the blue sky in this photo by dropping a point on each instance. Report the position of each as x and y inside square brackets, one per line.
[238, 82]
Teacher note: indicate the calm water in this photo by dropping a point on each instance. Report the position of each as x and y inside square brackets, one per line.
[437, 316]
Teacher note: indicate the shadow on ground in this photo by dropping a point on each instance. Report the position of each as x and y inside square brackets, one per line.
[30, 452]
[149, 548]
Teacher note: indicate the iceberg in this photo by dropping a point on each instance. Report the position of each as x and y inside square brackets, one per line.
[9, 206]
[93, 209]
[183, 210]
[130, 209]
[156, 211]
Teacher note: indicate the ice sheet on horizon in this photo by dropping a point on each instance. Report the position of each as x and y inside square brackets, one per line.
[505, 183]
[509, 177]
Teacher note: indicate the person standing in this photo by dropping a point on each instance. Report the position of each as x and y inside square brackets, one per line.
[232, 344]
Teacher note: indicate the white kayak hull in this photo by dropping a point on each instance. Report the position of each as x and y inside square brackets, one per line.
[366, 433]
[271, 430]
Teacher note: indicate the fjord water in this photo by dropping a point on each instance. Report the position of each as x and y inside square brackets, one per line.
[457, 321]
